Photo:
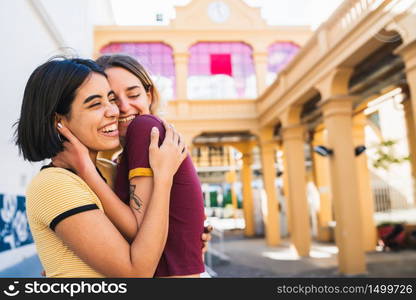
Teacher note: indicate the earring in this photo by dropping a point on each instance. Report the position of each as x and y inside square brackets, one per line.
[59, 137]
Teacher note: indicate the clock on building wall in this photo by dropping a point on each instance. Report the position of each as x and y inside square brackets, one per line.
[218, 11]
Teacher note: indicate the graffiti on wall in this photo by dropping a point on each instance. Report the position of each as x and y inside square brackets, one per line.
[14, 227]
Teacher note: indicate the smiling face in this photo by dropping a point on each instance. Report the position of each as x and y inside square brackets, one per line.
[94, 114]
[132, 97]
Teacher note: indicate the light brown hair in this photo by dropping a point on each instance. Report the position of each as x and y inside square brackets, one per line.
[133, 66]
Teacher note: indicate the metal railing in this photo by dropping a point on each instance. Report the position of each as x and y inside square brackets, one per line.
[387, 197]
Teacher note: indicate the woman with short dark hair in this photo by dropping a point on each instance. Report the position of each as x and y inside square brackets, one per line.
[73, 235]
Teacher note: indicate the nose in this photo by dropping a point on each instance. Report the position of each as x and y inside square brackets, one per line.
[122, 105]
[112, 111]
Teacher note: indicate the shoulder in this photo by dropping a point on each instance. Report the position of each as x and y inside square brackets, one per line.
[57, 193]
[146, 119]
[140, 128]
[51, 180]
[144, 122]
[53, 174]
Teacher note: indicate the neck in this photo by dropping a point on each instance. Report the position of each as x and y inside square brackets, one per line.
[93, 156]
[122, 141]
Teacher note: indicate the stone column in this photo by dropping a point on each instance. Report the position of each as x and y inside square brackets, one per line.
[364, 185]
[337, 113]
[411, 140]
[260, 62]
[181, 67]
[322, 181]
[294, 148]
[248, 206]
[286, 192]
[267, 148]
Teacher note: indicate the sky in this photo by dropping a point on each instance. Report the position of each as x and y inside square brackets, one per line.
[275, 12]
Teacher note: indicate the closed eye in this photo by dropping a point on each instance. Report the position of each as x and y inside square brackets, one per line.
[134, 96]
[95, 104]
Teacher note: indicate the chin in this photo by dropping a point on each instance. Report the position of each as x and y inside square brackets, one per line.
[110, 146]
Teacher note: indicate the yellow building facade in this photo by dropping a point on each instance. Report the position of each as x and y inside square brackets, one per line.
[365, 49]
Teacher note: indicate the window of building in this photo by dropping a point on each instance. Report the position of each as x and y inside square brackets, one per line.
[280, 54]
[374, 118]
[221, 70]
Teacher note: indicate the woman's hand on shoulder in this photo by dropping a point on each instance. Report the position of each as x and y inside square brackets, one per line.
[74, 156]
[166, 159]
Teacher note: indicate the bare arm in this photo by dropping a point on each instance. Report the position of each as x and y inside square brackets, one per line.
[97, 241]
[140, 195]
[93, 237]
[76, 156]
[116, 210]
[124, 217]
[121, 215]
[141, 187]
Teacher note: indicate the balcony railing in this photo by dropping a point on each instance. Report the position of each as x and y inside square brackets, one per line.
[326, 37]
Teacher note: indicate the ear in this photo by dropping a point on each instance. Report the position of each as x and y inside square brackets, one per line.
[149, 96]
[60, 119]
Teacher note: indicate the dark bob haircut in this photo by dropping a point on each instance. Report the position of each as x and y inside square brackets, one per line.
[50, 90]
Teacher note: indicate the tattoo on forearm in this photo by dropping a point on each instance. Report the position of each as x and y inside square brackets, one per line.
[138, 203]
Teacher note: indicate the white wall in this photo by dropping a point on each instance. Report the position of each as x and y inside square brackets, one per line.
[31, 32]
[73, 21]
[27, 45]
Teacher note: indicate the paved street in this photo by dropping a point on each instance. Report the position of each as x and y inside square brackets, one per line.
[252, 258]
